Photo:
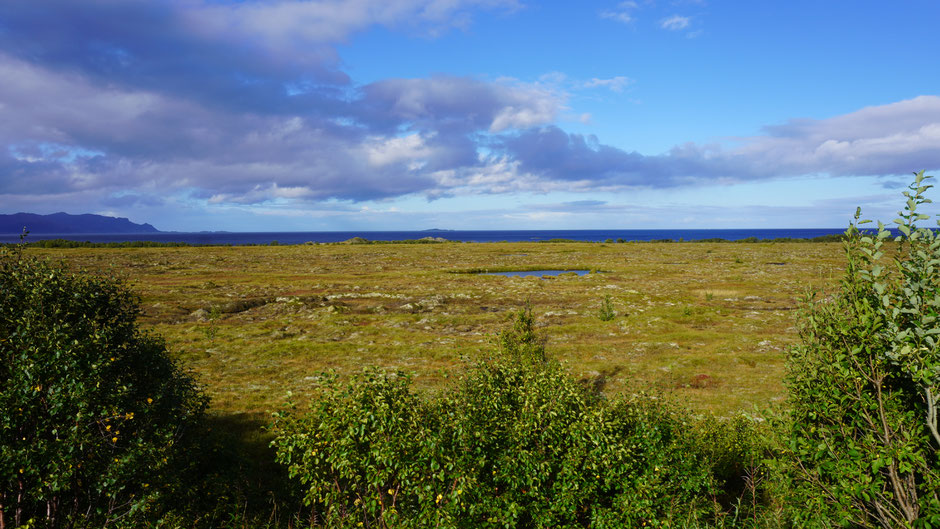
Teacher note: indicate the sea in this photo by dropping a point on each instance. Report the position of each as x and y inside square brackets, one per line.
[469, 236]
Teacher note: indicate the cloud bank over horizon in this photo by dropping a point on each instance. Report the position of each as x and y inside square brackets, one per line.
[115, 104]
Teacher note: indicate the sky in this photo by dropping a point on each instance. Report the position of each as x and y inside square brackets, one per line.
[322, 115]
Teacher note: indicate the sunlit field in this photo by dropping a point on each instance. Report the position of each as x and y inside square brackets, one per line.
[704, 323]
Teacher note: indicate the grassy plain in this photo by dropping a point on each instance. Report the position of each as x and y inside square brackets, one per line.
[707, 323]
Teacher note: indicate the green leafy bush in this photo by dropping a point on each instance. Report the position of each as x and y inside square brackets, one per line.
[517, 443]
[90, 406]
[606, 312]
[865, 381]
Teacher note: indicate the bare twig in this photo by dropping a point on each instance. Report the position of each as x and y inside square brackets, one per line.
[932, 416]
[906, 498]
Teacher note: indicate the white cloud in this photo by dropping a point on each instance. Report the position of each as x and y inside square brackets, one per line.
[619, 16]
[261, 194]
[886, 140]
[494, 175]
[622, 13]
[511, 117]
[877, 140]
[87, 134]
[675, 22]
[527, 106]
[386, 151]
[615, 84]
[467, 103]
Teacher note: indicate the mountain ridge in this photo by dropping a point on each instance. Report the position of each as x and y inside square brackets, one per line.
[66, 223]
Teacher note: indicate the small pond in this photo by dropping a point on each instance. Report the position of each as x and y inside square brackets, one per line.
[538, 273]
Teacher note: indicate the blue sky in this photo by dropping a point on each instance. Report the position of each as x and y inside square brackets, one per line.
[466, 114]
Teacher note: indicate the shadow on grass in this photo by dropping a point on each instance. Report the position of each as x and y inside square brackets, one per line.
[232, 479]
[598, 383]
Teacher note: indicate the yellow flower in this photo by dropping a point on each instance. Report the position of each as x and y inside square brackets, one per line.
[149, 400]
[129, 415]
[108, 428]
[391, 492]
[439, 498]
[21, 471]
[114, 439]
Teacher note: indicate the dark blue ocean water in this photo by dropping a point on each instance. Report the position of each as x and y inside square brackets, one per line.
[233, 238]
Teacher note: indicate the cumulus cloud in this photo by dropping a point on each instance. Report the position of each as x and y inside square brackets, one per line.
[457, 103]
[135, 45]
[385, 151]
[559, 156]
[131, 124]
[246, 158]
[874, 141]
[238, 55]
[147, 138]
[878, 140]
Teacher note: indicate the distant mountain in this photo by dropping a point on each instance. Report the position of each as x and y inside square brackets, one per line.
[65, 223]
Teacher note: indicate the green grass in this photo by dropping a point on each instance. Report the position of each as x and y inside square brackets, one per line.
[706, 322]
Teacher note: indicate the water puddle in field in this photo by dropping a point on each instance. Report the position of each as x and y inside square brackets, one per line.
[537, 273]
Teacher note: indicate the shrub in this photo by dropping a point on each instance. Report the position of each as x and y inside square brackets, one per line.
[517, 443]
[520, 342]
[606, 312]
[90, 406]
[864, 384]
